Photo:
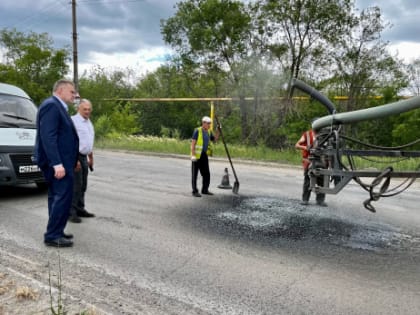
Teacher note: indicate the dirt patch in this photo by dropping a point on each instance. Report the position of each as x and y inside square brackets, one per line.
[20, 294]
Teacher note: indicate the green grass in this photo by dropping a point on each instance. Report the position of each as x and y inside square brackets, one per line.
[243, 152]
[175, 146]
[380, 163]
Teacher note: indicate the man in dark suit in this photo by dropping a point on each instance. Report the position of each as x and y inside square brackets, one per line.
[56, 151]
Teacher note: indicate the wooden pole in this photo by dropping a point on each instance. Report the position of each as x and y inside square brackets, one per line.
[75, 58]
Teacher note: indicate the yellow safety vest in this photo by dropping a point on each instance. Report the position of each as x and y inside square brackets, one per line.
[199, 144]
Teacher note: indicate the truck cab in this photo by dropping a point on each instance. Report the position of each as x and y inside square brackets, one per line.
[17, 138]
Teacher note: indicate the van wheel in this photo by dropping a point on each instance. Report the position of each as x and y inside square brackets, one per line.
[41, 185]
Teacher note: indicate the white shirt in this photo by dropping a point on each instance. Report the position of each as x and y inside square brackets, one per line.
[85, 132]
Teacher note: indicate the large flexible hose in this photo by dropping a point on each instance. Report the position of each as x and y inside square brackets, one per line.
[368, 113]
[314, 94]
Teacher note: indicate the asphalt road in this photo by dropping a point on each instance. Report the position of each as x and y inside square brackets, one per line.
[154, 249]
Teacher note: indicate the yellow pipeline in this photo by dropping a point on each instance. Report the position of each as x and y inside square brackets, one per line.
[212, 115]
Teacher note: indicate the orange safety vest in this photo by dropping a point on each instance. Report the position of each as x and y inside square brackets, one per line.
[309, 141]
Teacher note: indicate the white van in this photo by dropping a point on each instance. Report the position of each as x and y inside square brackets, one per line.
[17, 138]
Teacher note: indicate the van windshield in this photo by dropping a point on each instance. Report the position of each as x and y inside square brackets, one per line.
[17, 112]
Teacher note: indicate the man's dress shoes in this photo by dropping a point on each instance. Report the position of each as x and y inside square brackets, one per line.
[59, 242]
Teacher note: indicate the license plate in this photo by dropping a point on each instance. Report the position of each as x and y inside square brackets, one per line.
[29, 169]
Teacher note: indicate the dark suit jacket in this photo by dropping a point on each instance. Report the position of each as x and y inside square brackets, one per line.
[57, 141]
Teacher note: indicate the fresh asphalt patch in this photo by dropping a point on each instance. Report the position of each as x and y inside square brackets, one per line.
[274, 221]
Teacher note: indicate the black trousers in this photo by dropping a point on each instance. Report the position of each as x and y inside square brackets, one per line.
[80, 186]
[306, 188]
[202, 165]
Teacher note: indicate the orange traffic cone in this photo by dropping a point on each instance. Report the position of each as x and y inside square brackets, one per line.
[225, 181]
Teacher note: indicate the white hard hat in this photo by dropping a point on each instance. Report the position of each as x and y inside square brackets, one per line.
[206, 119]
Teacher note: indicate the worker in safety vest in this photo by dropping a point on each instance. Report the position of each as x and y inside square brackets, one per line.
[201, 149]
[305, 143]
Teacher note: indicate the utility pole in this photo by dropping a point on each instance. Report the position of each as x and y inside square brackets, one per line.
[75, 62]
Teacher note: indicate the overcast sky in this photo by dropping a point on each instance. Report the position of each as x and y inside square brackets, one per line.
[111, 33]
[126, 33]
[404, 35]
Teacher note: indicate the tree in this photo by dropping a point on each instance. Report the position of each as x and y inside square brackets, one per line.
[214, 35]
[301, 31]
[101, 86]
[172, 81]
[413, 70]
[363, 65]
[31, 62]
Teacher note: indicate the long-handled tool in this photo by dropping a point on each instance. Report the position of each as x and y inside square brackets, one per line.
[235, 188]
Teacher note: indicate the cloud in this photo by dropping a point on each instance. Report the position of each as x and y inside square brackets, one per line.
[121, 33]
[408, 51]
[116, 32]
[403, 16]
[141, 61]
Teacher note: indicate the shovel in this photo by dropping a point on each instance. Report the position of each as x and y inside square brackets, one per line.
[235, 188]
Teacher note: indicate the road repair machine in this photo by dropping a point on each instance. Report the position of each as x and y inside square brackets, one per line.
[333, 160]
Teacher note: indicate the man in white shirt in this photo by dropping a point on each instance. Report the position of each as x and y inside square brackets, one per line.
[86, 135]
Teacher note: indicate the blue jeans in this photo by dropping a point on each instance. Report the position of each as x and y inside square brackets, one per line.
[60, 193]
